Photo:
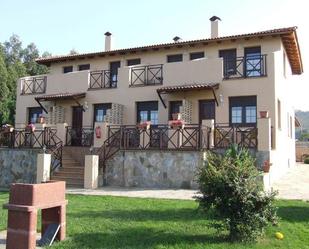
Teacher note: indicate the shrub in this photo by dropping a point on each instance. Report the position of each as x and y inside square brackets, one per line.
[306, 161]
[230, 189]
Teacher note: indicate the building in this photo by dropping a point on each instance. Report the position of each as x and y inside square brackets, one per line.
[228, 89]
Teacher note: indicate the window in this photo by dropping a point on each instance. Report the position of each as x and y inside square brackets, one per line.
[113, 66]
[100, 111]
[253, 62]
[33, 114]
[243, 110]
[279, 113]
[147, 111]
[174, 58]
[229, 61]
[175, 107]
[291, 127]
[67, 69]
[133, 62]
[197, 55]
[83, 67]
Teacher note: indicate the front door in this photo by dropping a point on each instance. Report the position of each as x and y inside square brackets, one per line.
[77, 125]
[207, 109]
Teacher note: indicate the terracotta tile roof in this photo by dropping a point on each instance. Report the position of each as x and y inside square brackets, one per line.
[61, 96]
[289, 39]
[190, 87]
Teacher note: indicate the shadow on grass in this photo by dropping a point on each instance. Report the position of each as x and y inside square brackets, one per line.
[184, 214]
[294, 214]
[142, 237]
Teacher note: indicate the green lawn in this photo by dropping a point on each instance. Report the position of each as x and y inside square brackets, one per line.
[116, 222]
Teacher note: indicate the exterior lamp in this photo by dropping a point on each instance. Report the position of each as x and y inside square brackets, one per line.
[221, 99]
[85, 106]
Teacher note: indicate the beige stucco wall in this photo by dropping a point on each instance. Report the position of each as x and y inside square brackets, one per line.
[186, 72]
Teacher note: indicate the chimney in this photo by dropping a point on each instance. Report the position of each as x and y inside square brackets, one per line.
[177, 39]
[214, 26]
[108, 41]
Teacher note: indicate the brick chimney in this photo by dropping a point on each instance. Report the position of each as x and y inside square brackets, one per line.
[108, 41]
[214, 21]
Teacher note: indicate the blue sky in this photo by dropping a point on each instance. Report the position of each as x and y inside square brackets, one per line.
[58, 26]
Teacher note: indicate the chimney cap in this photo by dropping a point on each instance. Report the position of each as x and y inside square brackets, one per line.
[108, 33]
[176, 39]
[214, 18]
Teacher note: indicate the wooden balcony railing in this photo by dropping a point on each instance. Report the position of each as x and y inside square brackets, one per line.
[102, 79]
[245, 67]
[226, 135]
[146, 75]
[79, 136]
[45, 139]
[34, 85]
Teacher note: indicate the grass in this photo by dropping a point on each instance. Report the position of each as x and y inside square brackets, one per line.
[116, 222]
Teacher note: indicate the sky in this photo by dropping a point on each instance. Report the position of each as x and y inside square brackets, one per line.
[57, 26]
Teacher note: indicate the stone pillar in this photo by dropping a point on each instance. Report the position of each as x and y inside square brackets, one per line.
[43, 168]
[98, 142]
[61, 131]
[264, 134]
[209, 124]
[91, 171]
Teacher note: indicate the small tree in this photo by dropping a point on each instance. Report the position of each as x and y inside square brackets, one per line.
[229, 186]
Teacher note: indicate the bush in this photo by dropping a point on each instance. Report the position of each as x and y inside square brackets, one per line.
[231, 190]
[306, 161]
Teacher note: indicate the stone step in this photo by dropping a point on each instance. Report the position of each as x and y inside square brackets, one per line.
[78, 175]
[69, 180]
[71, 169]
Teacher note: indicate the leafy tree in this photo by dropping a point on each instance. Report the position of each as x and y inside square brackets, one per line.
[4, 113]
[13, 49]
[29, 54]
[230, 188]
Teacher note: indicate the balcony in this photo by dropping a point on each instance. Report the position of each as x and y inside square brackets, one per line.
[33, 85]
[101, 79]
[146, 75]
[245, 67]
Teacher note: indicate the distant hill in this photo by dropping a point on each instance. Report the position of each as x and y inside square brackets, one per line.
[303, 117]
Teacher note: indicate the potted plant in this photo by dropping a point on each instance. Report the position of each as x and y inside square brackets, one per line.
[144, 125]
[7, 128]
[175, 124]
[30, 127]
[263, 114]
[266, 166]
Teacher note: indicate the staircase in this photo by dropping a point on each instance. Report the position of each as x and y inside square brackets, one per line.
[72, 172]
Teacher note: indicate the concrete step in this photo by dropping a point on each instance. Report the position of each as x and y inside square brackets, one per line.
[71, 169]
[72, 181]
[79, 175]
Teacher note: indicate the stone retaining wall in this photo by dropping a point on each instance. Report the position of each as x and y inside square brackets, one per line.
[153, 169]
[17, 166]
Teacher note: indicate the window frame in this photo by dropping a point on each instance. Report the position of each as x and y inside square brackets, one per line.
[66, 67]
[171, 58]
[96, 108]
[133, 62]
[80, 67]
[171, 103]
[193, 54]
[32, 110]
[242, 102]
[147, 106]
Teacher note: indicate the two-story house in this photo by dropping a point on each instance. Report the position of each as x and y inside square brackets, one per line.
[227, 89]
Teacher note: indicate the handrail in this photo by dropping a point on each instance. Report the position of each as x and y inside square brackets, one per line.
[79, 136]
[34, 84]
[45, 139]
[146, 75]
[100, 79]
[245, 66]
